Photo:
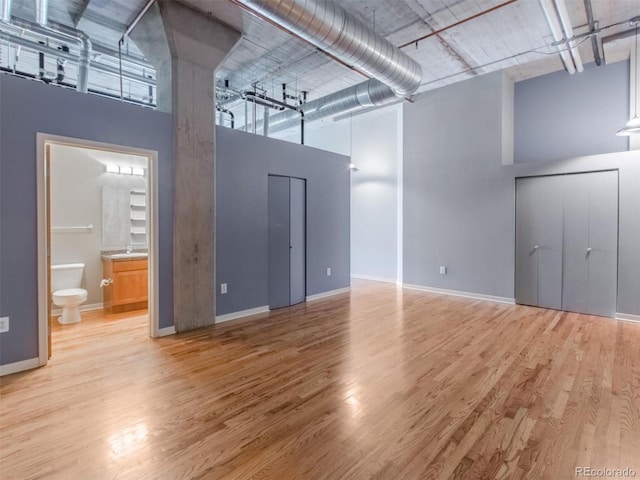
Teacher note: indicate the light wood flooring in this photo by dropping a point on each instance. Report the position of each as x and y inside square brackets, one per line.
[380, 383]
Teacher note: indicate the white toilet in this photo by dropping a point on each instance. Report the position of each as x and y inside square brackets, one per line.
[65, 283]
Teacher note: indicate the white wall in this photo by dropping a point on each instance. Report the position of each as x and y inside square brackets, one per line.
[76, 199]
[373, 141]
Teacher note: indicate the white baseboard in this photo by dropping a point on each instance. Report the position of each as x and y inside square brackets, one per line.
[163, 332]
[83, 308]
[330, 293]
[375, 279]
[19, 366]
[627, 317]
[458, 293]
[242, 313]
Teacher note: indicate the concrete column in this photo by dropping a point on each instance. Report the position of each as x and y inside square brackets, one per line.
[185, 47]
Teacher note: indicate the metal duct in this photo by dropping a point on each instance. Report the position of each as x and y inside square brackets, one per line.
[42, 15]
[371, 93]
[84, 60]
[5, 10]
[331, 28]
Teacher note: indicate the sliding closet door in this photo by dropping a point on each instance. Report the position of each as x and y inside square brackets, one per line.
[575, 285]
[591, 243]
[297, 240]
[287, 241]
[279, 273]
[539, 241]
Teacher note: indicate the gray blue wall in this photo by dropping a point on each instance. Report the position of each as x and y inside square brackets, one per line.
[559, 116]
[567, 124]
[244, 162]
[27, 108]
[458, 197]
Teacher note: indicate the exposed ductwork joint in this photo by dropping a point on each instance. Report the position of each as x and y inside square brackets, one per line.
[329, 27]
[371, 93]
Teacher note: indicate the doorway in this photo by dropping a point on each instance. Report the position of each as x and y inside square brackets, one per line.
[97, 241]
[567, 242]
[287, 241]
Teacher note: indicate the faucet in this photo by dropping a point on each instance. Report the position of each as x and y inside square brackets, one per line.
[129, 249]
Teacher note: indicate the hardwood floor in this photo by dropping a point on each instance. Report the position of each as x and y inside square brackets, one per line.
[380, 383]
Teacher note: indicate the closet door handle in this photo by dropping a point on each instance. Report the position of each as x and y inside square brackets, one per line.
[535, 249]
[589, 251]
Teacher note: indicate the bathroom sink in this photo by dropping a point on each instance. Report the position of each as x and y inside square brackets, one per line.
[129, 255]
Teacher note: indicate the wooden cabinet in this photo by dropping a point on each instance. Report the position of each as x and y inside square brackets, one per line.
[130, 287]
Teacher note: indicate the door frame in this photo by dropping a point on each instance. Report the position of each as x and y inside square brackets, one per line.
[43, 202]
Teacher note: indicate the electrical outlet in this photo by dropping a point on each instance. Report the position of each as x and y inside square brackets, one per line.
[443, 270]
[328, 271]
[223, 288]
[4, 324]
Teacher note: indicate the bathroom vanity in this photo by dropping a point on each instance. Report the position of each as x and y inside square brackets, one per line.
[129, 289]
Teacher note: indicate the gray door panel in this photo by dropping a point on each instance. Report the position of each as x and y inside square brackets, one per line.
[279, 285]
[539, 224]
[297, 212]
[575, 294]
[603, 242]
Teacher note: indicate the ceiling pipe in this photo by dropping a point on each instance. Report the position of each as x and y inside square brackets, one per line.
[5, 10]
[556, 31]
[42, 14]
[330, 28]
[565, 21]
[371, 93]
[84, 59]
[592, 27]
[34, 45]
[455, 24]
[62, 33]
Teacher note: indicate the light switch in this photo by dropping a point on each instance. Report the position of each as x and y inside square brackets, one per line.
[223, 288]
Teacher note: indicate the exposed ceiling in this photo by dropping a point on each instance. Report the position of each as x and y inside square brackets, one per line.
[515, 37]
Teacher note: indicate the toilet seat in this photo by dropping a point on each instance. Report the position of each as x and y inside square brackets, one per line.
[70, 292]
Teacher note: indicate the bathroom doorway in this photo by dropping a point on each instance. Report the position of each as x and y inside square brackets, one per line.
[97, 241]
